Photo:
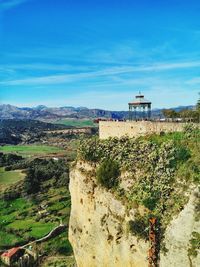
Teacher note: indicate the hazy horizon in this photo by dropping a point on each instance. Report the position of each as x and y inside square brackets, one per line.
[68, 106]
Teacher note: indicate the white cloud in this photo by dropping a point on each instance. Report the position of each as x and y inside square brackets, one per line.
[10, 3]
[104, 72]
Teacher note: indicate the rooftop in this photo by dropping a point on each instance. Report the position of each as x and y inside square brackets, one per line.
[139, 99]
[9, 253]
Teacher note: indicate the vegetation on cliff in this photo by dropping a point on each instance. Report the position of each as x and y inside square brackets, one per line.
[161, 167]
[108, 173]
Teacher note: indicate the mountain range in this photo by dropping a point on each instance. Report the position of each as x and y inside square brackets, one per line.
[44, 113]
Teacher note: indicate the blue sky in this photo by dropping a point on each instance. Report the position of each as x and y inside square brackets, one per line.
[99, 53]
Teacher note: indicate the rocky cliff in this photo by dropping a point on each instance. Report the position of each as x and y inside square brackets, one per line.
[98, 225]
[100, 231]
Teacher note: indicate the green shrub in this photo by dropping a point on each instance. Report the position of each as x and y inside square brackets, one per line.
[108, 173]
[194, 244]
[182, 154]
[150, 202]
[191, 130]
[139, 227]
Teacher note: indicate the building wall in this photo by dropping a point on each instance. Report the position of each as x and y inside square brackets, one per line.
[134, 129]
[5, 260]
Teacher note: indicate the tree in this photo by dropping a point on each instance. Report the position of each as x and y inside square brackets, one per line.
[170, 113]
[31, 182]
[108, 173]
[187, 114]
[198, 108]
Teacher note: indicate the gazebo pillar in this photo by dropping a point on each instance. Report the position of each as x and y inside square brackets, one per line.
[143, 112]
[149, 111]
[130, 112]
[135, 113]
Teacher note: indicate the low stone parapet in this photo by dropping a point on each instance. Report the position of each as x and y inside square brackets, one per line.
[136, 128]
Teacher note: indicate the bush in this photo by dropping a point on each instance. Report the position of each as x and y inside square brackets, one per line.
[150, 202]
[108, 173]
[191, 131]
[194, 244]
[182, 154]
[139, 227]
[41, 170]
[9, 159]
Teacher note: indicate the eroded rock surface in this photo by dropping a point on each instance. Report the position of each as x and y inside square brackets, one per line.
[99, 233]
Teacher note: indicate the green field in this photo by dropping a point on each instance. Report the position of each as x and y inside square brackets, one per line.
[34, 229]
[59, 261]
[8, 238]
[9, 177]
[20, 220]
[31, 150]
[76, 123]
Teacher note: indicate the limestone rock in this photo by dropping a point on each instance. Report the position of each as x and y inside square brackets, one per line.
[99, 234]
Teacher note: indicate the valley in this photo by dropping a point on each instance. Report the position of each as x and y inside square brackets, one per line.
[34, 195]
[36, 159]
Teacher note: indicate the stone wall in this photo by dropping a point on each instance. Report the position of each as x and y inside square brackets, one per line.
[134, 129]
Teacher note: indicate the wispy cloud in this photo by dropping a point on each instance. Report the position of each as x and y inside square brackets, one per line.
[194, 81]
[7, 4]
[41, 67]
[103, 72]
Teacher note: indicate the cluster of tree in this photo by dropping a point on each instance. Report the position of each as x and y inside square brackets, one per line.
[187, 115]
[16, 131]
[18, 165]
[41, 170]
[32, 125]
[9, 159]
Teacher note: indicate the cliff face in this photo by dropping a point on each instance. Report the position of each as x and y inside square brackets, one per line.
[99, 232]
[179, 234]
[98, 225]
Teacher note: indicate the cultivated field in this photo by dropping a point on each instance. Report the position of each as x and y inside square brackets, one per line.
[31, 150]
[9, 177]
[76, 123]
[23, 220]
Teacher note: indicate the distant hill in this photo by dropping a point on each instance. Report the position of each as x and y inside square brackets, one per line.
[44, 113]
[13, 131]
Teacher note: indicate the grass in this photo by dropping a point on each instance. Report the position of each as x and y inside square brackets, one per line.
[19, 219]
[59, 261]
[76, 122]
[39, 229]
[31, 150]
[58, 246]
[158, 139]
[20, 203]
[8, 239]
[9, 177]
[21, 224]
[30, 229]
